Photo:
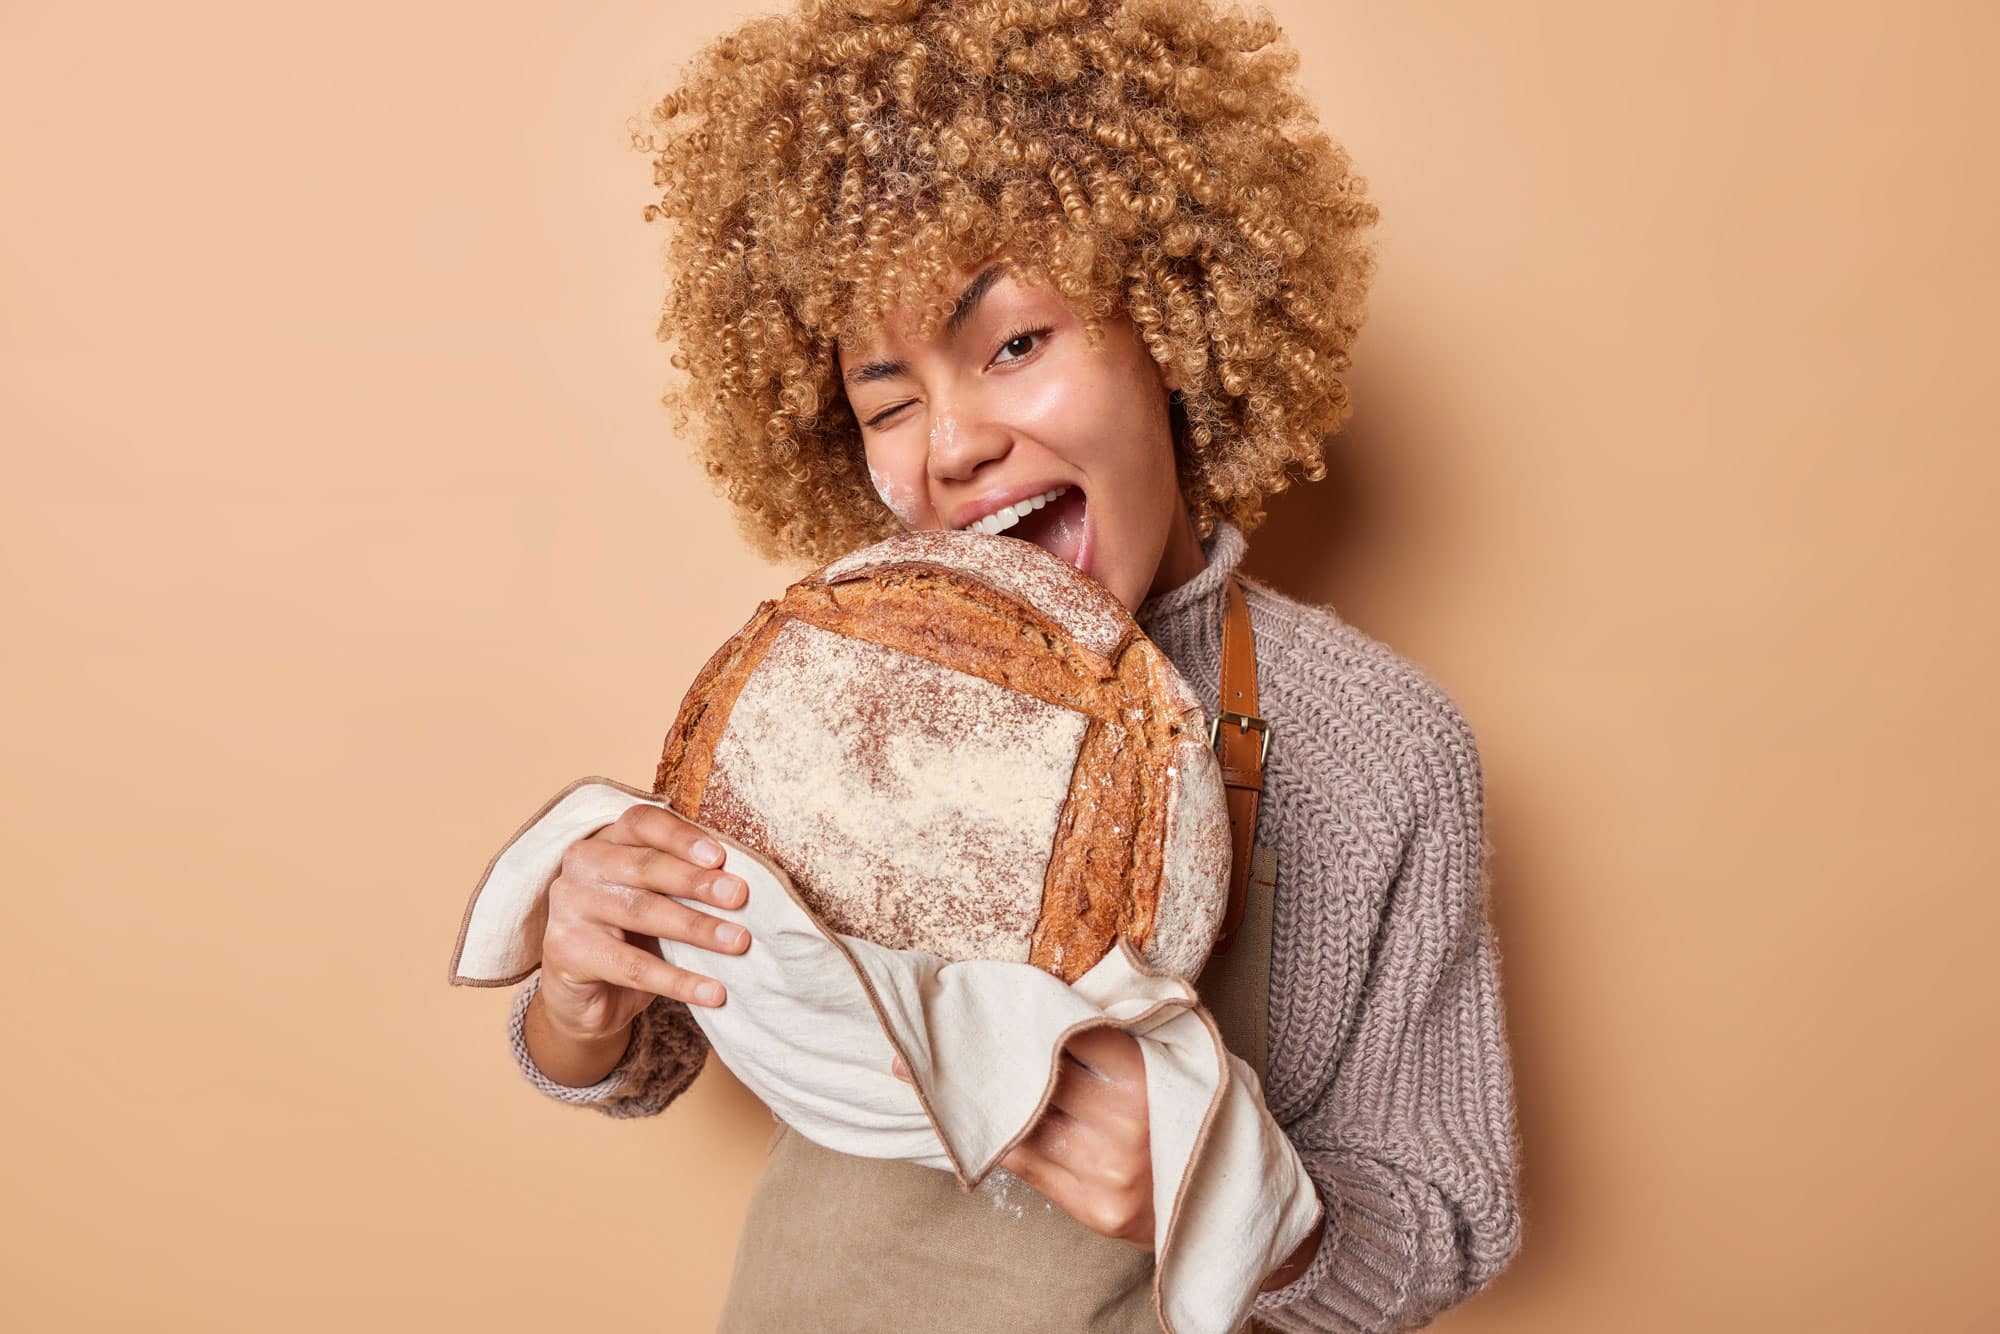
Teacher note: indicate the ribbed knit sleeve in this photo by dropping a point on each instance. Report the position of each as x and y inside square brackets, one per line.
[1388, 1067]
[1413, 1145]
[667, 1051]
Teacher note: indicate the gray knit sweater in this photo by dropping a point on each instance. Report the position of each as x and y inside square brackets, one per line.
[1388, 1062]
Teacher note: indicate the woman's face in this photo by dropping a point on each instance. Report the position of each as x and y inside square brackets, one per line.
[1007, 402]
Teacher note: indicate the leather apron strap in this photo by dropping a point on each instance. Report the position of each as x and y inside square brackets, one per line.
[1241, 753]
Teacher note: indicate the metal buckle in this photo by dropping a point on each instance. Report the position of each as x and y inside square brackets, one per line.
[1245, 722]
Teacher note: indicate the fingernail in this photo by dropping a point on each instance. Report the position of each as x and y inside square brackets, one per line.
[705, 851]
[709, 992]
[731, 933]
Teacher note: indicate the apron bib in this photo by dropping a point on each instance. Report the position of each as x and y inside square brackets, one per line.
[842, 1244]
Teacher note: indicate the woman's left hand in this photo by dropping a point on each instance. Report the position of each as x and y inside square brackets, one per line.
[1092, 1150]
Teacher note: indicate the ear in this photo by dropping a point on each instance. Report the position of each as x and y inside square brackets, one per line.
[1170, 378]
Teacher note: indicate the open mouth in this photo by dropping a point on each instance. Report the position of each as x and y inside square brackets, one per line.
[1058, 528]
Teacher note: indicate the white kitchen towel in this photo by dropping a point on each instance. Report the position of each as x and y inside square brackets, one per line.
[813, 1016]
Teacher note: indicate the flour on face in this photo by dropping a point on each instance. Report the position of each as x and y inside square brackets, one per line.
[901, 500]
[944, 431]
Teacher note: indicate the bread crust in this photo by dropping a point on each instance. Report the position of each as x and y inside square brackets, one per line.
[1002, 611]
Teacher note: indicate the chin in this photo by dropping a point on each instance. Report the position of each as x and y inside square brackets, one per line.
[1130, 587]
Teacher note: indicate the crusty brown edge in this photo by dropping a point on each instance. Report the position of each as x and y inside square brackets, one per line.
[696, 703]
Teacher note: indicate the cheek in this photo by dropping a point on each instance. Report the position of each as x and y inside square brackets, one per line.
[1100, 412]
[900, 497]
[1058, 405]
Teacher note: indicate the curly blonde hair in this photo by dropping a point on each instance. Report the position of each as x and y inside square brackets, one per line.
[1153, 156]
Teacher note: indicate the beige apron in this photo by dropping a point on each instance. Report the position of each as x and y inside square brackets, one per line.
[843, 1244]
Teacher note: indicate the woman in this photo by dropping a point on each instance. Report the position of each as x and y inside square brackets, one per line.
[1083, 272]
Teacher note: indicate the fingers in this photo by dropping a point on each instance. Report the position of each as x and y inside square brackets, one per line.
[1101, 1182]
[628, 860]
[579, 952]
[665, 918]
[657, 827]
[629, 965]
[630, 885]
[1108, 1051]
[1038, 1160]
[1084, 1096]
[1101, 1080]
[634, 889]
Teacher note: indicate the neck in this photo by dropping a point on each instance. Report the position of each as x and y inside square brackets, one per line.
[1183, 558]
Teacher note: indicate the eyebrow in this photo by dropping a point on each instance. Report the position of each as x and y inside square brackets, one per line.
[961, 311]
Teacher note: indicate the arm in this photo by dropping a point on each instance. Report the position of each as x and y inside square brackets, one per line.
[1413, 1148]
[666, 1051]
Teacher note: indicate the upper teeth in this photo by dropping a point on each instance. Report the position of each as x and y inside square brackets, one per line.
[1002, 519]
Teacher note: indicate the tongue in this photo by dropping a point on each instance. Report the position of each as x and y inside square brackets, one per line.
[1056, 527]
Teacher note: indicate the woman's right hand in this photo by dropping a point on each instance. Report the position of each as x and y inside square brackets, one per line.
[625, 884]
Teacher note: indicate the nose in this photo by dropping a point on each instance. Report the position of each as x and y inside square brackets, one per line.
[963, 442]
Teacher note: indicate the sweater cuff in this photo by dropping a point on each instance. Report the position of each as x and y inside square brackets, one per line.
[667, 1050]
[1316, 1275]
[1384, 1261]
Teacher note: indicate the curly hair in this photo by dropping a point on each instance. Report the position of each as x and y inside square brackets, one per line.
[1153, 157]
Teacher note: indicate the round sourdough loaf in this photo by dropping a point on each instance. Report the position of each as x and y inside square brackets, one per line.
[958, 742]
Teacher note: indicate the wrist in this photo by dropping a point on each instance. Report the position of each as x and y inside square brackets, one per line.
[569, 1058]
[539, 1011]
[1298, 1261]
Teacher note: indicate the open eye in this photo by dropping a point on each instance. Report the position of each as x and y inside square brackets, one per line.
[1021, 336]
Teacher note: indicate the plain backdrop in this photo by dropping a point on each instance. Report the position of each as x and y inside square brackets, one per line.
[343, 526]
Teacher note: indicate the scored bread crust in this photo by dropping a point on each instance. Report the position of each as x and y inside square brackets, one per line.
[943, 635]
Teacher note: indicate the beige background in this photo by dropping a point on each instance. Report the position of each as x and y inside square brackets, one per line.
[343, 526]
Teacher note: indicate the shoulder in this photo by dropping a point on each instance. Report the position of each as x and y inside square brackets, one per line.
[1340, 683]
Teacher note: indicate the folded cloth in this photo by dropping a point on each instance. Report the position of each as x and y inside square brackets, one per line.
[813, 1016]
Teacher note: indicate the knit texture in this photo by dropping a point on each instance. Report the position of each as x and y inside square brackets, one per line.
[1388, 1062]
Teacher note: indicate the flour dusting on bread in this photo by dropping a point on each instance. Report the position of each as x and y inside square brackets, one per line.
[919, 803]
